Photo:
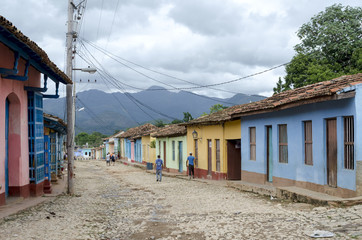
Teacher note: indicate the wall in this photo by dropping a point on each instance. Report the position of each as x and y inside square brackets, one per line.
[295, 169]
[204, 133]
[18, 129]
[173, 163]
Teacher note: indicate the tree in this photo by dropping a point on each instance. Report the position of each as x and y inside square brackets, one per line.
[159, 123]
[187, 117]
[176, 121]
[217, 107]
[82, 138]
[331, 46]
[279, 87]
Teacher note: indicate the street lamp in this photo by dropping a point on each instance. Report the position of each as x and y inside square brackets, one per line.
[88, 70]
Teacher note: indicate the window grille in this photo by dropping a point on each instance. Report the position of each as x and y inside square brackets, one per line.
[348, 143]
[283, 144]
[252, 136]
[308, 143]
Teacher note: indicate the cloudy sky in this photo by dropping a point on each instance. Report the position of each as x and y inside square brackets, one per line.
[176, 44]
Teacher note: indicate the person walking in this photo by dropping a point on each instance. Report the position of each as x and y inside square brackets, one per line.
[113, 158]
[190, 163]
[159, 166]
[108, 159]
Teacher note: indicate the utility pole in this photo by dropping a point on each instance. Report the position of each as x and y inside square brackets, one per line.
[70, 124]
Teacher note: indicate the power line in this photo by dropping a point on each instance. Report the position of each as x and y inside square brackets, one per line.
[184, 88]
[173, 88]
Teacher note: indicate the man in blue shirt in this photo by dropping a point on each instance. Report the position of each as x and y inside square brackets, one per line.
[190, 164]
[159, 165]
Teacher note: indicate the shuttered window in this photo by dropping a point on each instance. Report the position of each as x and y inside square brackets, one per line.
[173, 151]
[308, 143]
[252, 137]
[217, 143]
[348, 143]
[196, 152]
[283, 143]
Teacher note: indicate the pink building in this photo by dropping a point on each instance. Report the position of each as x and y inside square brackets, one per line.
[23, 67]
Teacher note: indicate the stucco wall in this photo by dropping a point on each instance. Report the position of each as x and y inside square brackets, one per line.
[296, 169]
[18, 121]
[174, 163]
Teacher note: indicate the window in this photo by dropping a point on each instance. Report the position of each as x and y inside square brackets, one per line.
[196, 155]
[217, 143]
[283, 144]
[252, 137]
[173, 150]
[86, 153]
[308, 143]
[348, 142]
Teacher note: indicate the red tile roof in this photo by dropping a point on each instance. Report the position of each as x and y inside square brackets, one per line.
[139, 131]
[18, 38]
[173, 130]
[317, 92]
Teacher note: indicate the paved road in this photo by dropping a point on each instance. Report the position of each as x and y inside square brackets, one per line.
[122, 202]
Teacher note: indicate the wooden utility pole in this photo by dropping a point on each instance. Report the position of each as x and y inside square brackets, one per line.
[70, 124]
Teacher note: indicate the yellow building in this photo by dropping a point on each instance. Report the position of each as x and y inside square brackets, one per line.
[214, 141]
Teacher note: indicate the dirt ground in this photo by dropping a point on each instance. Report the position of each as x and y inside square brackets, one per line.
[123, 202]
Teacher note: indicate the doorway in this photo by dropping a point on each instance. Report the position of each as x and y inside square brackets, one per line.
[180, 157]
[209, 157]
[234, 159]
[332, 152]
[6, 147]
[269, 153]
[164, 153]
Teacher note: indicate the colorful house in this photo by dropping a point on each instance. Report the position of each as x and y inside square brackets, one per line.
[54, 140]
[309, 137]
[171, 145]
[148, 148]
[214, 140]
[132, 139]
[22, 66]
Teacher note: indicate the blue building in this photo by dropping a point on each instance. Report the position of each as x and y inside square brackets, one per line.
[307, 137]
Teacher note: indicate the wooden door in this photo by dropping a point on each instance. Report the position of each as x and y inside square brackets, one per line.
[332, 152]
[209, 157]
[6, 147]
[180, 157]
[164, 153]
[269, 151]
[233, 160]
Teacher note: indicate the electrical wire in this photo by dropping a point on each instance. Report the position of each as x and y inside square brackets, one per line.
[184, 88]
[172, 87]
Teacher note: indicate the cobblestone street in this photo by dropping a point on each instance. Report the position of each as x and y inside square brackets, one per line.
[123, 202]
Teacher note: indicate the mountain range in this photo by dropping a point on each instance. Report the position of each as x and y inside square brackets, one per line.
[106, 112]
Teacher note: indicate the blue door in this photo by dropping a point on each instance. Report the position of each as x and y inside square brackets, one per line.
[6, 147]
[46, 157]
[180, 157]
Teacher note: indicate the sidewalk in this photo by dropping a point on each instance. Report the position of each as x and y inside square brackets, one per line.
[295, 194]
[16, 204]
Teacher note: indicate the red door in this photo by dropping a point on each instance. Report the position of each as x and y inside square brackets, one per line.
[234, 160]
[332, 152]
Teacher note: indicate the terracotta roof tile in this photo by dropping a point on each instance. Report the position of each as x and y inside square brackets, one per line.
[139, 131]
[170, 131]
[6, 25]
[316, 90]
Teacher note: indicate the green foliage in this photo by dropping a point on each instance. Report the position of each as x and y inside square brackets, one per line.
[176, 121]
[217, 107]
[116, 131]
[279, 87]
[93, 140]
[187, 117]
[153, 144]
[159, 123]
[331, 46]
